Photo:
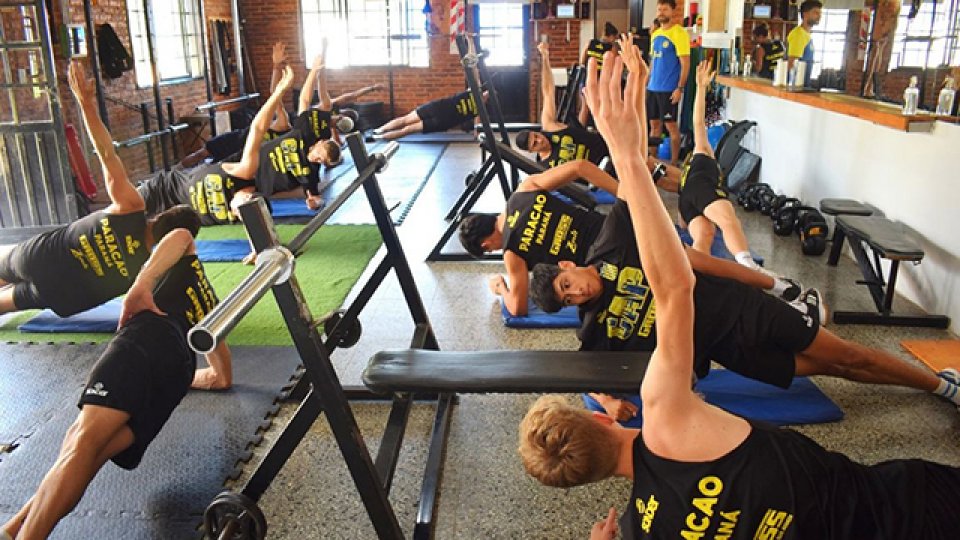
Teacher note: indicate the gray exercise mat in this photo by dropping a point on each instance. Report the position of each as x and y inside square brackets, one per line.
[183, 469]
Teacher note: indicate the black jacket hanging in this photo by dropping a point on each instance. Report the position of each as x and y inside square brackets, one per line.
[114, 58]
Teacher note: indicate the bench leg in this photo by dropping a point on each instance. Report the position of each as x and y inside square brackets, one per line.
[837, 246]
[423, 529]
[871, 276]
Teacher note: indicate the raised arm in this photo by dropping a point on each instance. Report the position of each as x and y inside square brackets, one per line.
[350, 97]
[704, 78]
[281, 120]
[306, 93]
[548, 113]
[561, 175]
[514, 293]
[124, 198]
[169, 249]
[247, 167]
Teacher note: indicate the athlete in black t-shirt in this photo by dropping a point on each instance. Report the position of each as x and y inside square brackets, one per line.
[736, 325]
[559, 142]
[699, 471]
[704, 202]
[767, 52]
[216, 190]
[433, 116]
[536, 227]
[294, 159]
[82, 265]
[136, 384]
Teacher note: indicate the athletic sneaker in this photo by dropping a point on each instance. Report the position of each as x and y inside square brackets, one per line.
[950, 375]
[817, 309]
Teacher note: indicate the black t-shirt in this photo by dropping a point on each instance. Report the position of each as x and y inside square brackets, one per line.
[283, 161]
[208, 189]
[185, 294]
[443, 114]
[778, 484]
[87, 262]
[623, 318]
[543, 229]
[595, 49]
[773, 52]
[575, 142]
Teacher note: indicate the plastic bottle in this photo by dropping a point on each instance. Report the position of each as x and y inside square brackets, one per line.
[947, 96]
[747, 66]
[910, 97]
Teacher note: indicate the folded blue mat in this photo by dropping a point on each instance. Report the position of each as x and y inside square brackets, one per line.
[802, 403]
[537, 318]
[291, 207]
[229, 250]
[603, 197]
[102, 319]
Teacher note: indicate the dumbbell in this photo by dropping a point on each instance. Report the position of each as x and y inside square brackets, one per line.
[812, 227]
[785, 218]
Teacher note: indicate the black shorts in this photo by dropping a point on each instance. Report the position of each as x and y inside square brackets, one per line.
[942, 499]
[14, 269]
[660, 108]
[226, 144]
[439, 115]
[702, 187]
[145, 371]
[765, 339]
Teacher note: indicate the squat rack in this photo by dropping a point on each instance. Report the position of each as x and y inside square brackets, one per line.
[235, 514]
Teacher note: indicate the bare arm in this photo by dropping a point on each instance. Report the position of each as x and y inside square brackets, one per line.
[758, 54]
[281, 120]
[671, 180]
[704, 78]
[350, 97]
[247, 167]
[306, 92]
[323, 94]
[515, 294]
[168, 251]
[548, 113]
[124, 197]
[562, 175]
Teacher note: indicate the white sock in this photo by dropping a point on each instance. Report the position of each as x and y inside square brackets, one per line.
[746, 259]
[4, 535]
[948, 390]
[779, 286]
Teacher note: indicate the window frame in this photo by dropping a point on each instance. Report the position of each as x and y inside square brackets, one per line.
[491, 38]
[408, 29]
[819, 48]
[901, 54]
[190, 40]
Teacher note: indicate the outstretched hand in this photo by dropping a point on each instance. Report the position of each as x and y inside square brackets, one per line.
[318, 62]
[614, 112]
[632, 57]
[138, 299]
[606, 529]
[286, 80]
[81, 86]
[279, 53]
[543, 49]
[705, 74]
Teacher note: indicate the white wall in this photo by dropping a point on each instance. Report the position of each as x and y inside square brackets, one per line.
[913, 178]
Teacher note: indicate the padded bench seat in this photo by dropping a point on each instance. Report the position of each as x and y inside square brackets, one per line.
[512, 372]
[887, 240]
[836, 207]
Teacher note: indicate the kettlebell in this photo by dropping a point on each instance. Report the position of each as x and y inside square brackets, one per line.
[753, 197]
[765, 201]
[778, 204]
[812, 227]
[785, 219]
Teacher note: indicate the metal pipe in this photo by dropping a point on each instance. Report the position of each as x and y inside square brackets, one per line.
[238, 45]
[155, 72]
[147, 137]
[95, 62]
[274, 265]
[172, 130]
[204, 54]
[215, 104]
[145, 116]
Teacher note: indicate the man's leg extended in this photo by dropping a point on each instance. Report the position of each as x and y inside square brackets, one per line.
[831, 355]
[98, 434]
[409, 129]
[399, 122]
[674, 130]
[721, 213]
[702, 231]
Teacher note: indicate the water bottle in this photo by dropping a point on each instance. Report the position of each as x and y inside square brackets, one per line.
[947, 95]
[780, 74]
[747, 66]
[910, 97]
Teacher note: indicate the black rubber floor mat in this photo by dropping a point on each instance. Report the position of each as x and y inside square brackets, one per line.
[184, 468]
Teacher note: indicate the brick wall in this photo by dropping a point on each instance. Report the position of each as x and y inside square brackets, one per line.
[563, 54]
[126, 123]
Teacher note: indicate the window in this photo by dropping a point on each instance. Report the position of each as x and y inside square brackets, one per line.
[829, 40]
[501, 33]
[929, 39]
[176, 41]
[366, 32]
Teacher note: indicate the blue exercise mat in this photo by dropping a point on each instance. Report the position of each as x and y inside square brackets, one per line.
[537, 318]
[102, 319]
[802, 403]
[603, 197]
[290, 208]
[229, 250]
[718, 248]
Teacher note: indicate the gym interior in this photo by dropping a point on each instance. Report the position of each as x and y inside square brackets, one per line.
[380, 367]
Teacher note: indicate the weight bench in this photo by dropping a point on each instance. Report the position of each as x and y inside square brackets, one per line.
[505, 372]
[886, 240]
[842, 207]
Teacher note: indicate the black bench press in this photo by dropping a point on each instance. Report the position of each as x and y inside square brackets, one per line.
[886, 240]
[495, 154]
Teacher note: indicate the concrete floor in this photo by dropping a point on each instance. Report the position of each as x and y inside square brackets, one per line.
[485, 493]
